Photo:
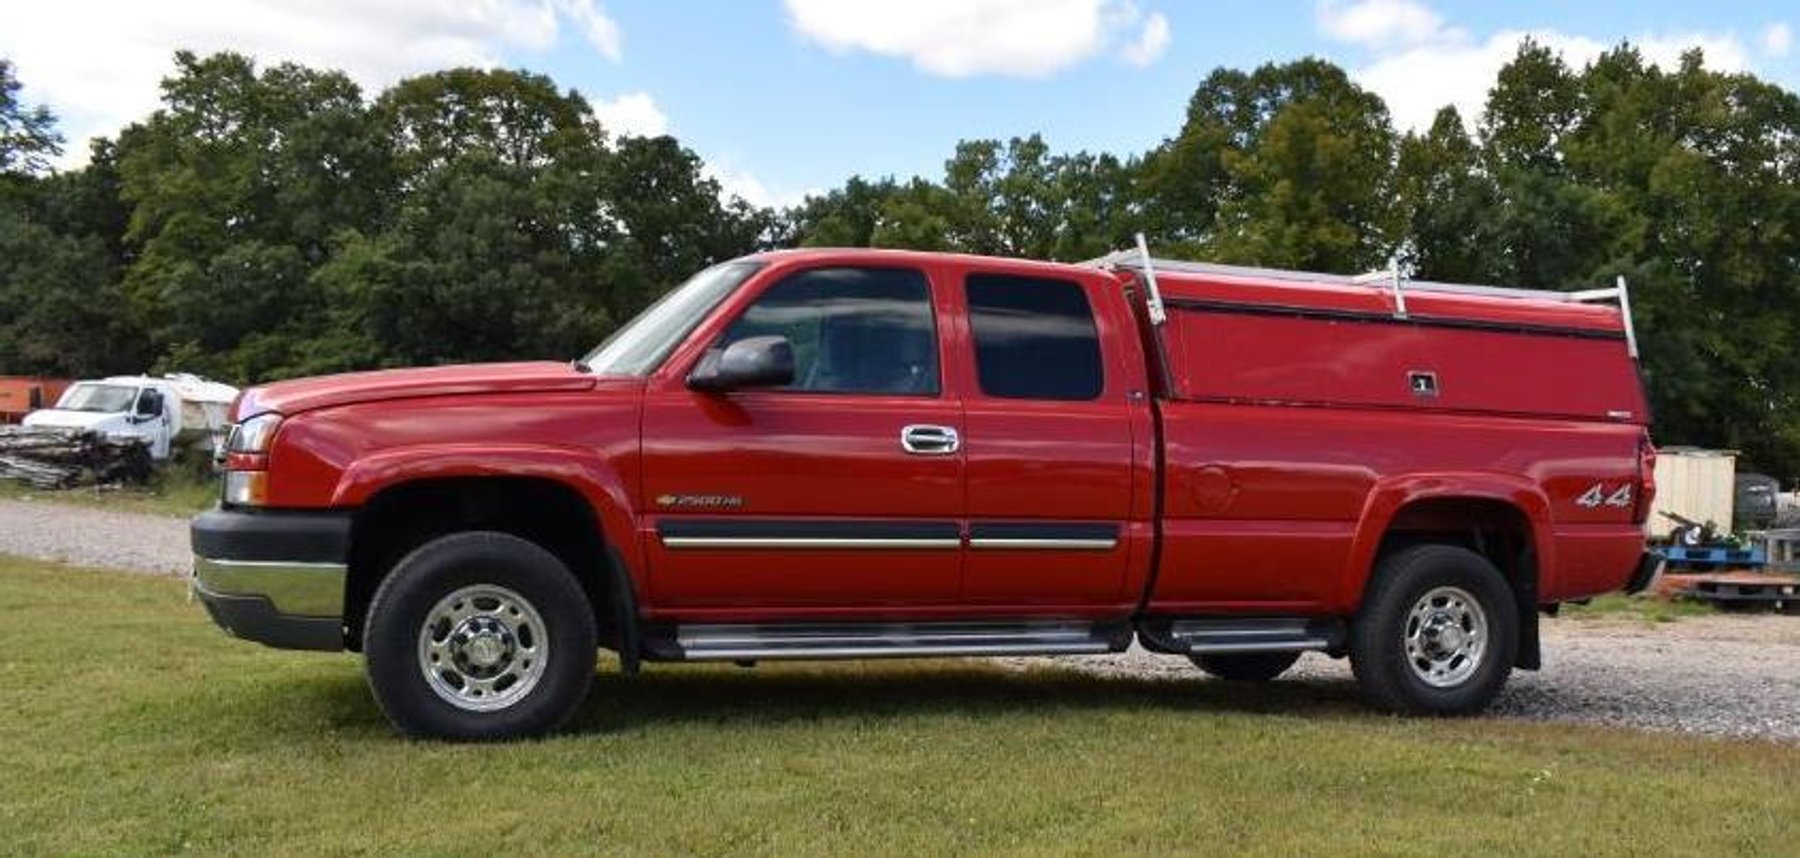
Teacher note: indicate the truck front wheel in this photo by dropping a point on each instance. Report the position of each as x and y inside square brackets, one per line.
[1437, 634]
[479, 636]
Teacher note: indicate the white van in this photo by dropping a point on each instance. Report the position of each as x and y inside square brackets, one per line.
[167, 412]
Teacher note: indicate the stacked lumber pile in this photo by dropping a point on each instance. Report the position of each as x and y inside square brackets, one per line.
[62, 458]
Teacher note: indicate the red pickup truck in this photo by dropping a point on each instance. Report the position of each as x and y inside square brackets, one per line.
[858, 453]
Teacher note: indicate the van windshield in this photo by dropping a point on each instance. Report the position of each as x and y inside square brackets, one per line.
[640, 346]
[101, 398]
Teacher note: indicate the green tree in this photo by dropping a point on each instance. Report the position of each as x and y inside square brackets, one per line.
[60, 252]
[1102, 208]
[488, 249]
[842, 217]
[1446, 199]
[669, 219]
[1548, 229]
[1683, 181]
[28, 135]
[918, 216]
[1007, 199]
[1705, 165]
[519, 231]
[1290, 165]
[61, 256]
[237, 187]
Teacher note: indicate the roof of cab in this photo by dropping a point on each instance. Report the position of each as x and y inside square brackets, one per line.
[880, 256]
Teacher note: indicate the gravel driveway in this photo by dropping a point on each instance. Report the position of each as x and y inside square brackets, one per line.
[1726, 675]
[94, 537]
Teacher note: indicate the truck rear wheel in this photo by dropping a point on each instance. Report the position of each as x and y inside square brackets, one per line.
[1437, 634]
[1247, 666]
[479, 636]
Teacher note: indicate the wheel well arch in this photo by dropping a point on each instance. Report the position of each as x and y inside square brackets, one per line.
[1494, 528]
[552, 514]
[1497, 529]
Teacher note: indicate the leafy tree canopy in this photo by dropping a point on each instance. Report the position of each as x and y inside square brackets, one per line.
[269, 222]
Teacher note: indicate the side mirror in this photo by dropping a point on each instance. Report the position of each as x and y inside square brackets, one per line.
[749, 362]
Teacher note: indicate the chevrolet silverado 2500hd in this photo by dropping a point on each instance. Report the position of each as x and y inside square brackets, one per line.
[857, 453]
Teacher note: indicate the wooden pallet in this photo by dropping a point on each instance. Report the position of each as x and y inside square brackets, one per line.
[1713, 556]
[1737, 590]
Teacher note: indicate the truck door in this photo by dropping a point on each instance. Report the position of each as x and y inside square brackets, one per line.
[840, 493]
[1049, 444]
[150, 419]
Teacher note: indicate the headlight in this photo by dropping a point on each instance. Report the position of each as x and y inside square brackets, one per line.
[253, 435]
[246, 474]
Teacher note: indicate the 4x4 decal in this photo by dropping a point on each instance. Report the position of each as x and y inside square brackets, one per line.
[1596, 496]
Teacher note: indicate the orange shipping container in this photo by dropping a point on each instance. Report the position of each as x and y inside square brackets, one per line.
[21, 395]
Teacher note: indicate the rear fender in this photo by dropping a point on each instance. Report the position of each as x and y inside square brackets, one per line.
[1392, 495]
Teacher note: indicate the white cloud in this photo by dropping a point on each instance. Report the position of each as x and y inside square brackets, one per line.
[633, 114]
[1423, 63]
[1723, 52]
[97, 64]
[601, 31]
[742, 183]
[636, 114]
[1378, 22]
[1151, 42]
[1777, 39]
[1455, 70]
[963, 38]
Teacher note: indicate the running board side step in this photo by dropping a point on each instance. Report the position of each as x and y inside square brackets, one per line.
[1241, 634]
[755, 642]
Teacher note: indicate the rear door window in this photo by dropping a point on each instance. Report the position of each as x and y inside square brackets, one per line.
[1034, 338]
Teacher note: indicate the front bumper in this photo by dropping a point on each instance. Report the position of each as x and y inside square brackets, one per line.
[274, 577]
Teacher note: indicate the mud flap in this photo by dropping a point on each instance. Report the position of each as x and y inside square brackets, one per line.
[1524, 587]
[627, 633]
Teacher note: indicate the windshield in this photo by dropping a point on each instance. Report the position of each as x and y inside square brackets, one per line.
[102, 398]
[645, 341]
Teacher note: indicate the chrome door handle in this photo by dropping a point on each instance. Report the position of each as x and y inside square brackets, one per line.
[925, 440]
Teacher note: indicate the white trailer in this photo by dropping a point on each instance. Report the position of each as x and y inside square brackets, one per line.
[1698, 485]
[169, 412]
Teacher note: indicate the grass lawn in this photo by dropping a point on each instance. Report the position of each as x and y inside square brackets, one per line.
[1643, 606]
[136, 728]
[176, 491]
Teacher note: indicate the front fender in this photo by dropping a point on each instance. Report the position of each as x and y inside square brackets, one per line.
[1391, 495]
[588, 474]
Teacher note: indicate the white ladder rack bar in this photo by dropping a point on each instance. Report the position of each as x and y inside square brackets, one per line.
[1130, 259]
[1139, 259]
[1153, 303]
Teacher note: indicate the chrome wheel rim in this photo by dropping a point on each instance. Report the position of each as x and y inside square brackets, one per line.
[483, 648]
[1446, 635]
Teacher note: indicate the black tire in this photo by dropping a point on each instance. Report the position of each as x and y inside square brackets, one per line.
[1389, 676]
[1246, 666]
[558, 617]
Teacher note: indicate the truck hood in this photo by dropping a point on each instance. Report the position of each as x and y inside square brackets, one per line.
[60, 419]
[307, 394]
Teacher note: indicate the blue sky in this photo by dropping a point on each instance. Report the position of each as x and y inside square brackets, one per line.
[782, 97]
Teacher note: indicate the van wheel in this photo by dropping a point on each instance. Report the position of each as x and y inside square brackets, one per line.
[1246, 667]
[479, 636]
[1437, 633]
